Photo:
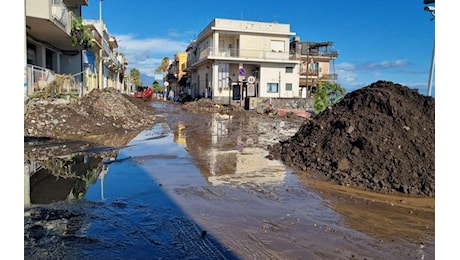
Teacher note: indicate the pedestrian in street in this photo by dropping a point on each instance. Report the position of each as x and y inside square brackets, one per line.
[171, 94]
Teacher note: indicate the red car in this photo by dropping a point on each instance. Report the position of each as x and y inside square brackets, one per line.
[143, 92]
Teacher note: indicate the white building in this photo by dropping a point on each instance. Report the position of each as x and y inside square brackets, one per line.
[234, 59]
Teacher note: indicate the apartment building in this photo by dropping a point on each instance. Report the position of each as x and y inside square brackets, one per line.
[176, 71]
[234, 59]
[51, 49]
[103, 61]
[317, 64]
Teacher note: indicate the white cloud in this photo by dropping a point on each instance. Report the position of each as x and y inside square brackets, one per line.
[146, 54]
[385, 65]
[352, 76]
[347, 76]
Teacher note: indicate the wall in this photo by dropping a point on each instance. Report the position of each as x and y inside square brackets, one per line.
[293, 104]
[38, 8]
[71, 64]
[276, 74]
[242, 25]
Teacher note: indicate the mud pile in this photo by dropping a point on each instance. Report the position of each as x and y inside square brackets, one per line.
[101, 111]
[380, 137]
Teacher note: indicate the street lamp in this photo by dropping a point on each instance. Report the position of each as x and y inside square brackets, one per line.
[100, 10]
[430, 9]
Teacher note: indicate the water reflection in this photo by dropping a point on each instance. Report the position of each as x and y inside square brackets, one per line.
[179, 136]
[232, 150]
[226, 150]
[61, 178]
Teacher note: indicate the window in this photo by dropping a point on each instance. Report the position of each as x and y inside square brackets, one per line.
[289, 86]
[313, 68]
[272, 87]
[49, 59]
[223, 75]
[289, 69]
[31, 51]
[277, 46]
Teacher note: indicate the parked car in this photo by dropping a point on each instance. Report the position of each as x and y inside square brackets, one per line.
[143, 92]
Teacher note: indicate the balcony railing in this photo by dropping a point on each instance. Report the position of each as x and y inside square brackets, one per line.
[236, 53]
[39, 78]
[320, 53]
[60, 14]
[325, 77]
[328, 77]
[310, 73]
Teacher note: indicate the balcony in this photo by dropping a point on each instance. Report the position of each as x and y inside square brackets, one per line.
[50, 23]
[238, 54]
[313, 73]
[328, 77]
[321, 50]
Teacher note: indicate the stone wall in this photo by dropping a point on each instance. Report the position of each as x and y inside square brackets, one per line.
[304, 104]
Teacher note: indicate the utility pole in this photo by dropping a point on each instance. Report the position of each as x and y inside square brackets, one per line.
[101, 27]
[430, 9]
[279, 84]
[430, 77]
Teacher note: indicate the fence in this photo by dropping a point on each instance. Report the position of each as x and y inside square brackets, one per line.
[44, 80]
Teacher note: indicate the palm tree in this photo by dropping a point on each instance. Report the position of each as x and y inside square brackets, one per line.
[135, 77]
[163, 66]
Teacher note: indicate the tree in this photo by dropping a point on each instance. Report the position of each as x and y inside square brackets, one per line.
[135, 77]
[326, 95]
[156, 86]
[164, 65]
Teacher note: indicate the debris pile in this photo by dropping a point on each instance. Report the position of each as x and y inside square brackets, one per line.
[380, 137]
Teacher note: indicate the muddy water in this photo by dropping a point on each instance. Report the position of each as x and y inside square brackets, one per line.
[257, 203]
[201, 187]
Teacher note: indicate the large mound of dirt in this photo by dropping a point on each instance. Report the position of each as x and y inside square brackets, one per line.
[380, 137]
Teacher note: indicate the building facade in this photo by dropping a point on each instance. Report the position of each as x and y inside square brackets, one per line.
[52, 51]
[175, 72]
[48, 44]
[317, 64]
[234, 59]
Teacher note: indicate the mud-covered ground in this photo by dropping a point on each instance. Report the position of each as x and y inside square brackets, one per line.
[353, 144]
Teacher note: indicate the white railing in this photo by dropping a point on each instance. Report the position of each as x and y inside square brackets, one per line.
[60, 14]
[210, 53]
[39, 78]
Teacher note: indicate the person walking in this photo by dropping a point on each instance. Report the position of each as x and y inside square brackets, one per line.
[171, 94]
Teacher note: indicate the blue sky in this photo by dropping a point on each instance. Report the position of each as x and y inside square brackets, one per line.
[377, 40]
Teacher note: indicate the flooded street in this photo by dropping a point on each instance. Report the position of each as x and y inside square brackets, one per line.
[199, 186]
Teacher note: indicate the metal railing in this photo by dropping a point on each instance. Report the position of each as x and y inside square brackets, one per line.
[45, 80]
